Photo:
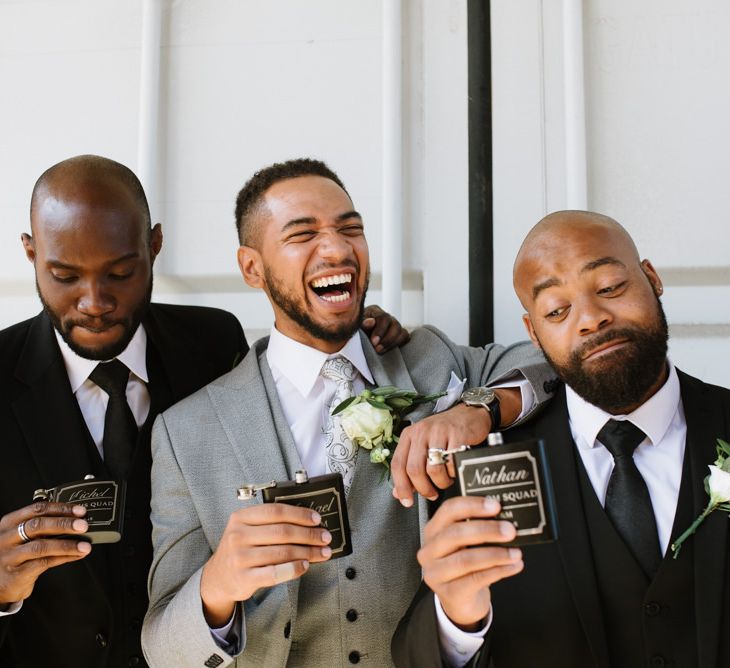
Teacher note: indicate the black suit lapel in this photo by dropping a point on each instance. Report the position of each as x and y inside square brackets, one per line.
[52, 424]
[705, 424]
[573, 540]
[170, 351]
[48, 412]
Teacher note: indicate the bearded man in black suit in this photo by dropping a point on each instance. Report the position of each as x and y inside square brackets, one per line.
[62, 601]
[608, 592]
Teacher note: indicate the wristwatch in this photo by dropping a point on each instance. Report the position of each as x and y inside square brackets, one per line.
[486, 398]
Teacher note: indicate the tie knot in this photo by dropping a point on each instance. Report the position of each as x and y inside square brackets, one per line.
[111, 377]
[338, 369]
[621, 437]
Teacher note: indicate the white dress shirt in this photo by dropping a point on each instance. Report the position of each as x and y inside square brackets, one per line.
[659, 457]
[305, 395]
[93, 400]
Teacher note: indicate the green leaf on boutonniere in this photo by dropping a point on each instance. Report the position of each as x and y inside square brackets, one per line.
[398, 402]
[386, 389]
[341, 406]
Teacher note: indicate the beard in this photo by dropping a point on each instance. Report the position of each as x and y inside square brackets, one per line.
[337, 332]
[110, 350]
[624, 378]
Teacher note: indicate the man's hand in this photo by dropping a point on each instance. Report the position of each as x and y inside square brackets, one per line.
[458, 567]
[460, 425]
[22, 563]
[262, 546]
[384, 330]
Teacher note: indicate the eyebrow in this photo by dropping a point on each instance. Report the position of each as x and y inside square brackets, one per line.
[57, 264]
[311, 220]
[589, 266]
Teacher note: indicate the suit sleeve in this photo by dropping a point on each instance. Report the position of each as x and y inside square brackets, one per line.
[494, 362]
[175, 632]
[415, 643]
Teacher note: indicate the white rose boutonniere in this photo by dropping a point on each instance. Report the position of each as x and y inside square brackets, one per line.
[372, 419]
[717, 486]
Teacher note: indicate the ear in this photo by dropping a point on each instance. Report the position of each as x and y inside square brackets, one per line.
[252, 266]
[155, 241]
[530, 330]
[29, 246]
[651, 274]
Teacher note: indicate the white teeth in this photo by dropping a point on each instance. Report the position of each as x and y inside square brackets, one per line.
[336, 298]
[331, 280]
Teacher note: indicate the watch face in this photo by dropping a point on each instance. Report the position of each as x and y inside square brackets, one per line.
[480, 395]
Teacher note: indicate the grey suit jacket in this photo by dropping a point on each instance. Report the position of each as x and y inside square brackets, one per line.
[233, 431]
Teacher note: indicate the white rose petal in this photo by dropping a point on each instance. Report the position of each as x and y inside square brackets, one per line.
[719, 484]
[367, 425]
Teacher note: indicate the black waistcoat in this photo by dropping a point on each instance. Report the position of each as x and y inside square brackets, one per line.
[647, 623]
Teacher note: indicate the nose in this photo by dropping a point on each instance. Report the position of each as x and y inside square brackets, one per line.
[334, 247]
[95, 301]
[593, 316]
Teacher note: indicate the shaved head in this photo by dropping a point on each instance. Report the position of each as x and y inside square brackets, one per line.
[550, 235]
[76, 174]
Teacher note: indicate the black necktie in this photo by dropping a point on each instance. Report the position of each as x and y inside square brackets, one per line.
[120, 427]
[628, 503]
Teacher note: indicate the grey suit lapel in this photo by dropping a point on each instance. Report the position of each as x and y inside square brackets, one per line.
[390, 369]
[248, 408]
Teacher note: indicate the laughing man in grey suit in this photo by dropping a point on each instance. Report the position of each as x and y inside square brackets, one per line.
[251, 584]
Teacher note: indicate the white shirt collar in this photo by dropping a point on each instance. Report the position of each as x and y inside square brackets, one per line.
[300, 364]
[79, 368]
[653, 417]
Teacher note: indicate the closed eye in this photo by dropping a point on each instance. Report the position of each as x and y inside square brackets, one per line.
[352, 230]
[612, 289]
[63, 279]
[302, 235]
[557, 314]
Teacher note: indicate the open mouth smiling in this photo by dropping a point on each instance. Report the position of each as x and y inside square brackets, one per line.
[333, 289]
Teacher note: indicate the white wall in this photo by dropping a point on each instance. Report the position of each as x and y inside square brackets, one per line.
[248, 82]
[244, 83]
[657, 106]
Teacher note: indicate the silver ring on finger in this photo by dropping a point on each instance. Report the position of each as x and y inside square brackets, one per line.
[437, 456]
[24, 538]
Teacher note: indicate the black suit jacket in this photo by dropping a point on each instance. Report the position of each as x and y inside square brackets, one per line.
[551, 614]
[89, 613]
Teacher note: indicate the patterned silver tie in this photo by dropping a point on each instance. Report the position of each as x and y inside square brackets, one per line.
[341, 451]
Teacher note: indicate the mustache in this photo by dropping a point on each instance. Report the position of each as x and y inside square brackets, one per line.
[96, 325]
[624, 333]
[328, 265]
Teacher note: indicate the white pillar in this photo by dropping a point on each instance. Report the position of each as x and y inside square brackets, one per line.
[576, 170]
[149, 102]
[392, 208]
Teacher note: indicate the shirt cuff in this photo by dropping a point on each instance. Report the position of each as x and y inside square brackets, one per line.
[526, 392]
[456, 387]
[10, 608]
[457, 646]
[226, 637]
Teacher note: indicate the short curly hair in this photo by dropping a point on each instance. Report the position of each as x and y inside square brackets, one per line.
[250, 197]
